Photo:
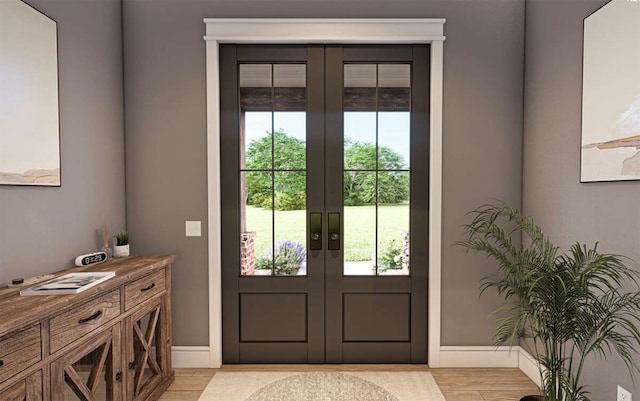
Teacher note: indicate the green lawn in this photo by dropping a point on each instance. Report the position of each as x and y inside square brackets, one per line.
[359, 225]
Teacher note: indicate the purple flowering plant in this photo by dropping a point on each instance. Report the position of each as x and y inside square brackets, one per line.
[288, 258]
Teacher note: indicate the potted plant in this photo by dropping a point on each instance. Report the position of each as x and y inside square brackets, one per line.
[121, 248]
[563, 307]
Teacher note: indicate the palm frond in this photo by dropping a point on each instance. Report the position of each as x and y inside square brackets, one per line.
[570, 304]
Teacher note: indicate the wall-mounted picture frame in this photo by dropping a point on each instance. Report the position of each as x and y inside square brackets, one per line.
[610, 144]
[30, 121]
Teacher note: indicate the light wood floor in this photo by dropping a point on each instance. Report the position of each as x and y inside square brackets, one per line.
[455, 384]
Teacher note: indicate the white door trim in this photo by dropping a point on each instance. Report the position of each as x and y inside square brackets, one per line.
[343, 31]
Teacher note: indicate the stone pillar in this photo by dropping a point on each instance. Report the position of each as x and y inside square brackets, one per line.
[247, 253]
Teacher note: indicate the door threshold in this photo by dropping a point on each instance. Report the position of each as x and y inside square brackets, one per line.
[386, 367]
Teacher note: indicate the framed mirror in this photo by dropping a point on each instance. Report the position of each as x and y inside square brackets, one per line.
[29, 118]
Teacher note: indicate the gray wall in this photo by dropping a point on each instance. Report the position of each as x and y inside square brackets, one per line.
[166, 126]
[567, 210]
[44, 229]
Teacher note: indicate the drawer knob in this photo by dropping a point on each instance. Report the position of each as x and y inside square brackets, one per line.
[119, 376]
[132, 365]
[1, 363]
[90, 318]
[148, 288]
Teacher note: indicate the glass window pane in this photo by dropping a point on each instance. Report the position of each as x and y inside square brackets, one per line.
[360, 76]
[255, 140]
[393, 223]
[290, 75]
[256, 242]
[256, 93]
[359, 225]
[290, 147]
[289, 91]
[290, 223]
[394, 75]
[394, 87]
[394, 139]
[359, 140]
[255, 75]
[360, 87]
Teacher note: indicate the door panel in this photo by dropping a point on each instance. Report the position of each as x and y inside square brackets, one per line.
[375, 317]
[325, 189]
[286, 321]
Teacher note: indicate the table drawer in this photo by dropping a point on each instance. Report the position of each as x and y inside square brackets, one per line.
[143, 289]
[19, 351]
[86, 317]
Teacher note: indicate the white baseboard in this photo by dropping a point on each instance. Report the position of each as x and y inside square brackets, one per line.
[479, 357]
[490, 357]
[190, 357]
[529, 367]
[450, 357]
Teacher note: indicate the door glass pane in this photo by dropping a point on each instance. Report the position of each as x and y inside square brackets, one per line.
[257, 233]
[359, 223]
[393, 223]
[359, 133]
[255, 139]
[394, 140]
[377, 147]
[360, 87]
[289, 254]
[273, 168]
[290, 140]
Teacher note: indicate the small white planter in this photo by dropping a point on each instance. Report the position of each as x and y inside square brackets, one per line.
[121, 251]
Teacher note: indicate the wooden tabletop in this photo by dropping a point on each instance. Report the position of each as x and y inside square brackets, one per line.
[18, 311]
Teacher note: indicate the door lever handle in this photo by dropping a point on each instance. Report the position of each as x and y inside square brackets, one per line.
[315, 231]
[334, 231]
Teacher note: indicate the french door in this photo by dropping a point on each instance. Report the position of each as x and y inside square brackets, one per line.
[324, 155]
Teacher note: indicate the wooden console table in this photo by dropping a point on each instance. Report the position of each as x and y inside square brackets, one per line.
[111, 342]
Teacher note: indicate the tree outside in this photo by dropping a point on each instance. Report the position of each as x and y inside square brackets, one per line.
[361, 184]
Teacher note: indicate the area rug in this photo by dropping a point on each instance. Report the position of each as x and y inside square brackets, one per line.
[322, 386]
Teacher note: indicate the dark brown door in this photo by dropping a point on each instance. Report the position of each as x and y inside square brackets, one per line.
[324, 203]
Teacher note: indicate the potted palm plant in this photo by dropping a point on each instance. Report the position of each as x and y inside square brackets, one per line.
[561, 307]
[121, 248]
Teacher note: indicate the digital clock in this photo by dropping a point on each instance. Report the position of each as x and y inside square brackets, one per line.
[91, 259]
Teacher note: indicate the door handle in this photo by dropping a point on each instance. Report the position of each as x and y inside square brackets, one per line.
[315, 231]
[334, 231]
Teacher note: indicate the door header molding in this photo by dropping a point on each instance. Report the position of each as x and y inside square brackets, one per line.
[343, 31]
[312, 30]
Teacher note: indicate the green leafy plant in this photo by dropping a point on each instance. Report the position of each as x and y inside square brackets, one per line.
[296, 201]
[288, 258]
[564, 307]
[122, 238]
[273, 162]
[390, 255]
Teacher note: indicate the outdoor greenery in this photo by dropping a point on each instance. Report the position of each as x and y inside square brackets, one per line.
[390, 254]
[289, 153]
[360, 185]
[566, 307]
[288, 258]
[289, 187]
[359, 228]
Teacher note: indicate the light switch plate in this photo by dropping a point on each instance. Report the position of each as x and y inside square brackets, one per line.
[192, 228]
